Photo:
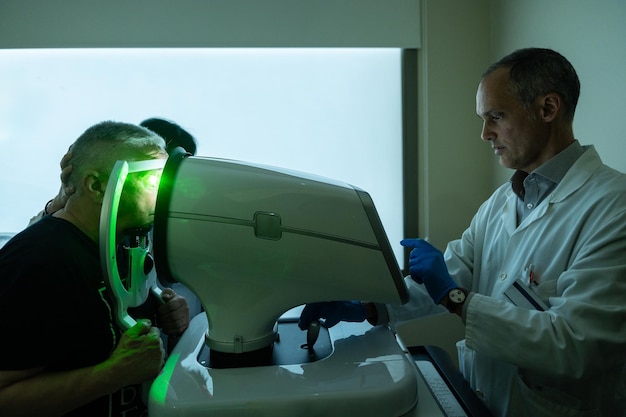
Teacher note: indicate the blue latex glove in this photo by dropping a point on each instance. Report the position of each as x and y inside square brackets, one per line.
[426, 266]
[332, 312]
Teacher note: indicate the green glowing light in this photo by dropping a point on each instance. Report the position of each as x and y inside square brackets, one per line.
[153, 179]
[158, 391]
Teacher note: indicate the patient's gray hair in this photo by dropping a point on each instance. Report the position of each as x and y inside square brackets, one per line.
[100, 146]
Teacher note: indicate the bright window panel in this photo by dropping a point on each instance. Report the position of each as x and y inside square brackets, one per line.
[332, 112]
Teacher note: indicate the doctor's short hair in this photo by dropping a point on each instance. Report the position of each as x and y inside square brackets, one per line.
[538, 71]
[101, 145]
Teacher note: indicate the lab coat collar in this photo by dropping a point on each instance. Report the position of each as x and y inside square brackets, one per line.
[575, 177]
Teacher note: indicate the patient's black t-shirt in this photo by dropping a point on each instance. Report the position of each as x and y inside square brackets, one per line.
[54, 307]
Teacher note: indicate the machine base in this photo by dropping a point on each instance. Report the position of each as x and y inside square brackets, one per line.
[367, 373]
[287, 350]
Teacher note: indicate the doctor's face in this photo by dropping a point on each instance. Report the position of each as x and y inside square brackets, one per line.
[517, 135]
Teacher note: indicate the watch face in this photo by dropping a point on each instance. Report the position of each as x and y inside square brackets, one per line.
[456, 296]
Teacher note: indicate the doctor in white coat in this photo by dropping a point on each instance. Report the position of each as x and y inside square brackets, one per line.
[539, 277]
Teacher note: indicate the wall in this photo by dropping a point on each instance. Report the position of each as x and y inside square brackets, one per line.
[592, 35]
[454, 164]
[208, 23]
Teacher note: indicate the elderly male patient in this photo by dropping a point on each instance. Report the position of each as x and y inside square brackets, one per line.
[62, 353]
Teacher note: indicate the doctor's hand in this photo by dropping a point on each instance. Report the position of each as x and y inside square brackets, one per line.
[173, 314]
[426, 266]
[332, 312]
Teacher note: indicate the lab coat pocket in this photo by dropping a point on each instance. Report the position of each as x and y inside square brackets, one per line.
[527, 292]
[546, 289]
[545, 402]
[466, 361]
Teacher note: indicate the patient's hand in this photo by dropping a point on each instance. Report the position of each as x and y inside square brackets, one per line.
[173, 314]
[138, 357]
[66, 189]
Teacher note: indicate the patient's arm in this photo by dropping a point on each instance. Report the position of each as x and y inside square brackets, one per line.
[36, 392]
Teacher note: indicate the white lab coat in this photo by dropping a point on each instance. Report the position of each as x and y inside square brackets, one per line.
[524, 362]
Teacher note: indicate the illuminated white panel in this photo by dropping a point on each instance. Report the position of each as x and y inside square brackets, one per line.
[331, 112]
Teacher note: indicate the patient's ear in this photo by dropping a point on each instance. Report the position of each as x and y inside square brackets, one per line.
[94, 186]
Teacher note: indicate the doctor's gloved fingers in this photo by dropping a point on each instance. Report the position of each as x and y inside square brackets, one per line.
[414, 242]
[420, 246]
[332, 312]
[425, 260]
[335, 311]
[310, 313]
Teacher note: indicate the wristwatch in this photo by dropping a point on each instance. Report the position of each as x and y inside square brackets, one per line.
[456, 299]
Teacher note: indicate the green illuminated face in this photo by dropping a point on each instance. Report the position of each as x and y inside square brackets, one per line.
[138, 200]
